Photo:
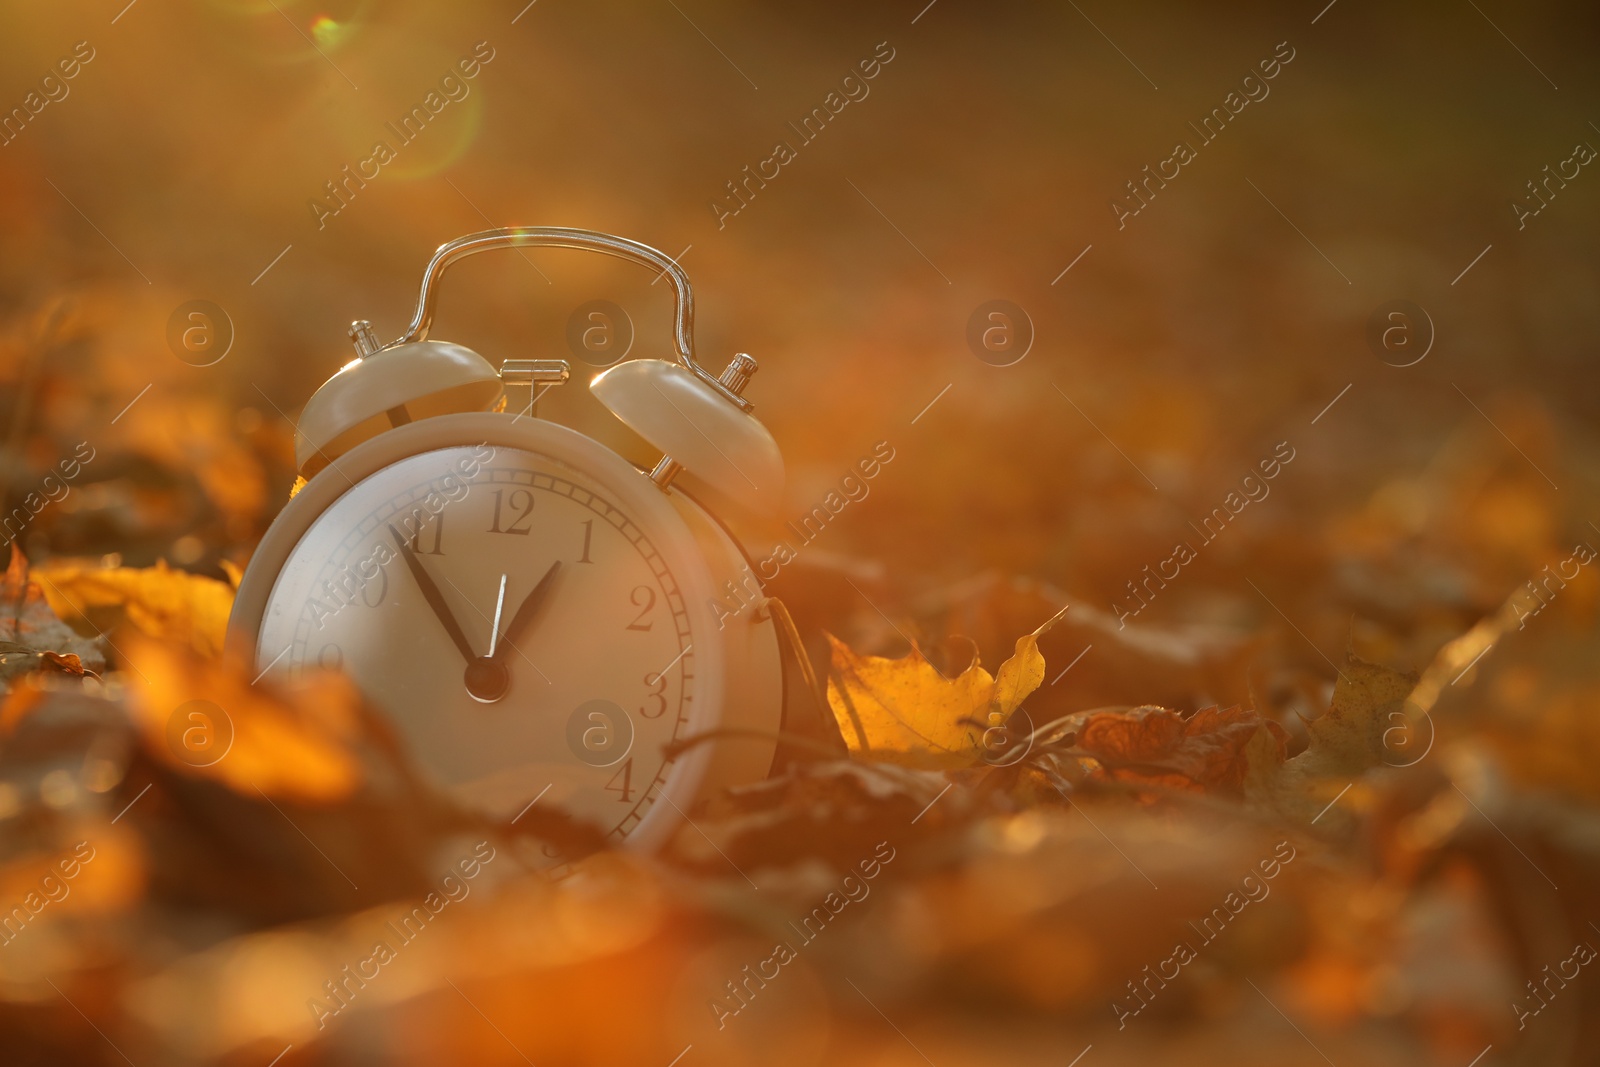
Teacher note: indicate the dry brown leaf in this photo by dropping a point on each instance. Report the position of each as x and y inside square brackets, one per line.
[1158, 746]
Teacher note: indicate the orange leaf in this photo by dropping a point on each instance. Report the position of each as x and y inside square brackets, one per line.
[205, 718]
[164, 603]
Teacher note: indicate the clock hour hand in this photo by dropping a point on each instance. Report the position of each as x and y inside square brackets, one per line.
[526, 611]
[435, 599]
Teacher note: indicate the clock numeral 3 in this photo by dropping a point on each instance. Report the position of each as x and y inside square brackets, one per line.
[658, 693]
[626, 788]
[522, 502]
[644, 598]
[421, 526]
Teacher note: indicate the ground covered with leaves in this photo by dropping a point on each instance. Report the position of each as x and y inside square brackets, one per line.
[951, 864]
[1205, 688]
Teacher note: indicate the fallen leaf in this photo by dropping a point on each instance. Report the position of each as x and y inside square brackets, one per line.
[161, 602]
[32, 637]
[1207, 750]
[1370, 704]
[1368, 701]
[205, 718]
[904, 711]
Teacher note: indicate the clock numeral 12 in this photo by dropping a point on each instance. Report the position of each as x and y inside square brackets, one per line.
[522, 501]
[626, 788]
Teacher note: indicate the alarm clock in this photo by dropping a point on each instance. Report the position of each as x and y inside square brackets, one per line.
[536, 615]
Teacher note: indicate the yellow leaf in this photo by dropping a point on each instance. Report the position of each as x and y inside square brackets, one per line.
[904, 711]
[1023, 673]
[161, 602]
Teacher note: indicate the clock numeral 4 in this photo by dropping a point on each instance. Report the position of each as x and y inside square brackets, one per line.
[644, 598]
[521, 503]
[625, 790]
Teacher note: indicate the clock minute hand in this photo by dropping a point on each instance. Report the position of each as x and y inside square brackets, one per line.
[526, 611]
[435, 599]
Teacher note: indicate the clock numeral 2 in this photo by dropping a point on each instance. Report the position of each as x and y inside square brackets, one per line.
[421, 526]
[520, 499]
[644, 598]
[626, 788]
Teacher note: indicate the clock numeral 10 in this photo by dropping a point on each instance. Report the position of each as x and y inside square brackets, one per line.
[625, 790]
[521, 503]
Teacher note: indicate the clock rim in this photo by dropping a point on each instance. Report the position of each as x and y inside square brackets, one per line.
[639, 497]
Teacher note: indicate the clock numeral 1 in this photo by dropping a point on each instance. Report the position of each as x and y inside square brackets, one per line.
[626, 788]
[522, 503]
[420, 526]
[588, 538]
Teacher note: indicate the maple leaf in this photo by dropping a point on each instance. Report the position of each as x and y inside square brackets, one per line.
[904, 711]
[161, 602]
[32, 637]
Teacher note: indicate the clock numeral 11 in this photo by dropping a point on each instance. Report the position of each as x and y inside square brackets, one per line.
[421, 526]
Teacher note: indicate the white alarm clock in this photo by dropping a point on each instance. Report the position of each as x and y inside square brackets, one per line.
[536, 615]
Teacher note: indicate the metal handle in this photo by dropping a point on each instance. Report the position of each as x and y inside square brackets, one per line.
[581, 240]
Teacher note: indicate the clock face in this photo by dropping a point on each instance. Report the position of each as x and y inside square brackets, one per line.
[518, 621]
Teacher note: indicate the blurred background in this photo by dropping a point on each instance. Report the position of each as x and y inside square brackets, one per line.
[1428, 161]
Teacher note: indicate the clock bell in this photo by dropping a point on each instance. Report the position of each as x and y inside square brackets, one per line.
[699, 421]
